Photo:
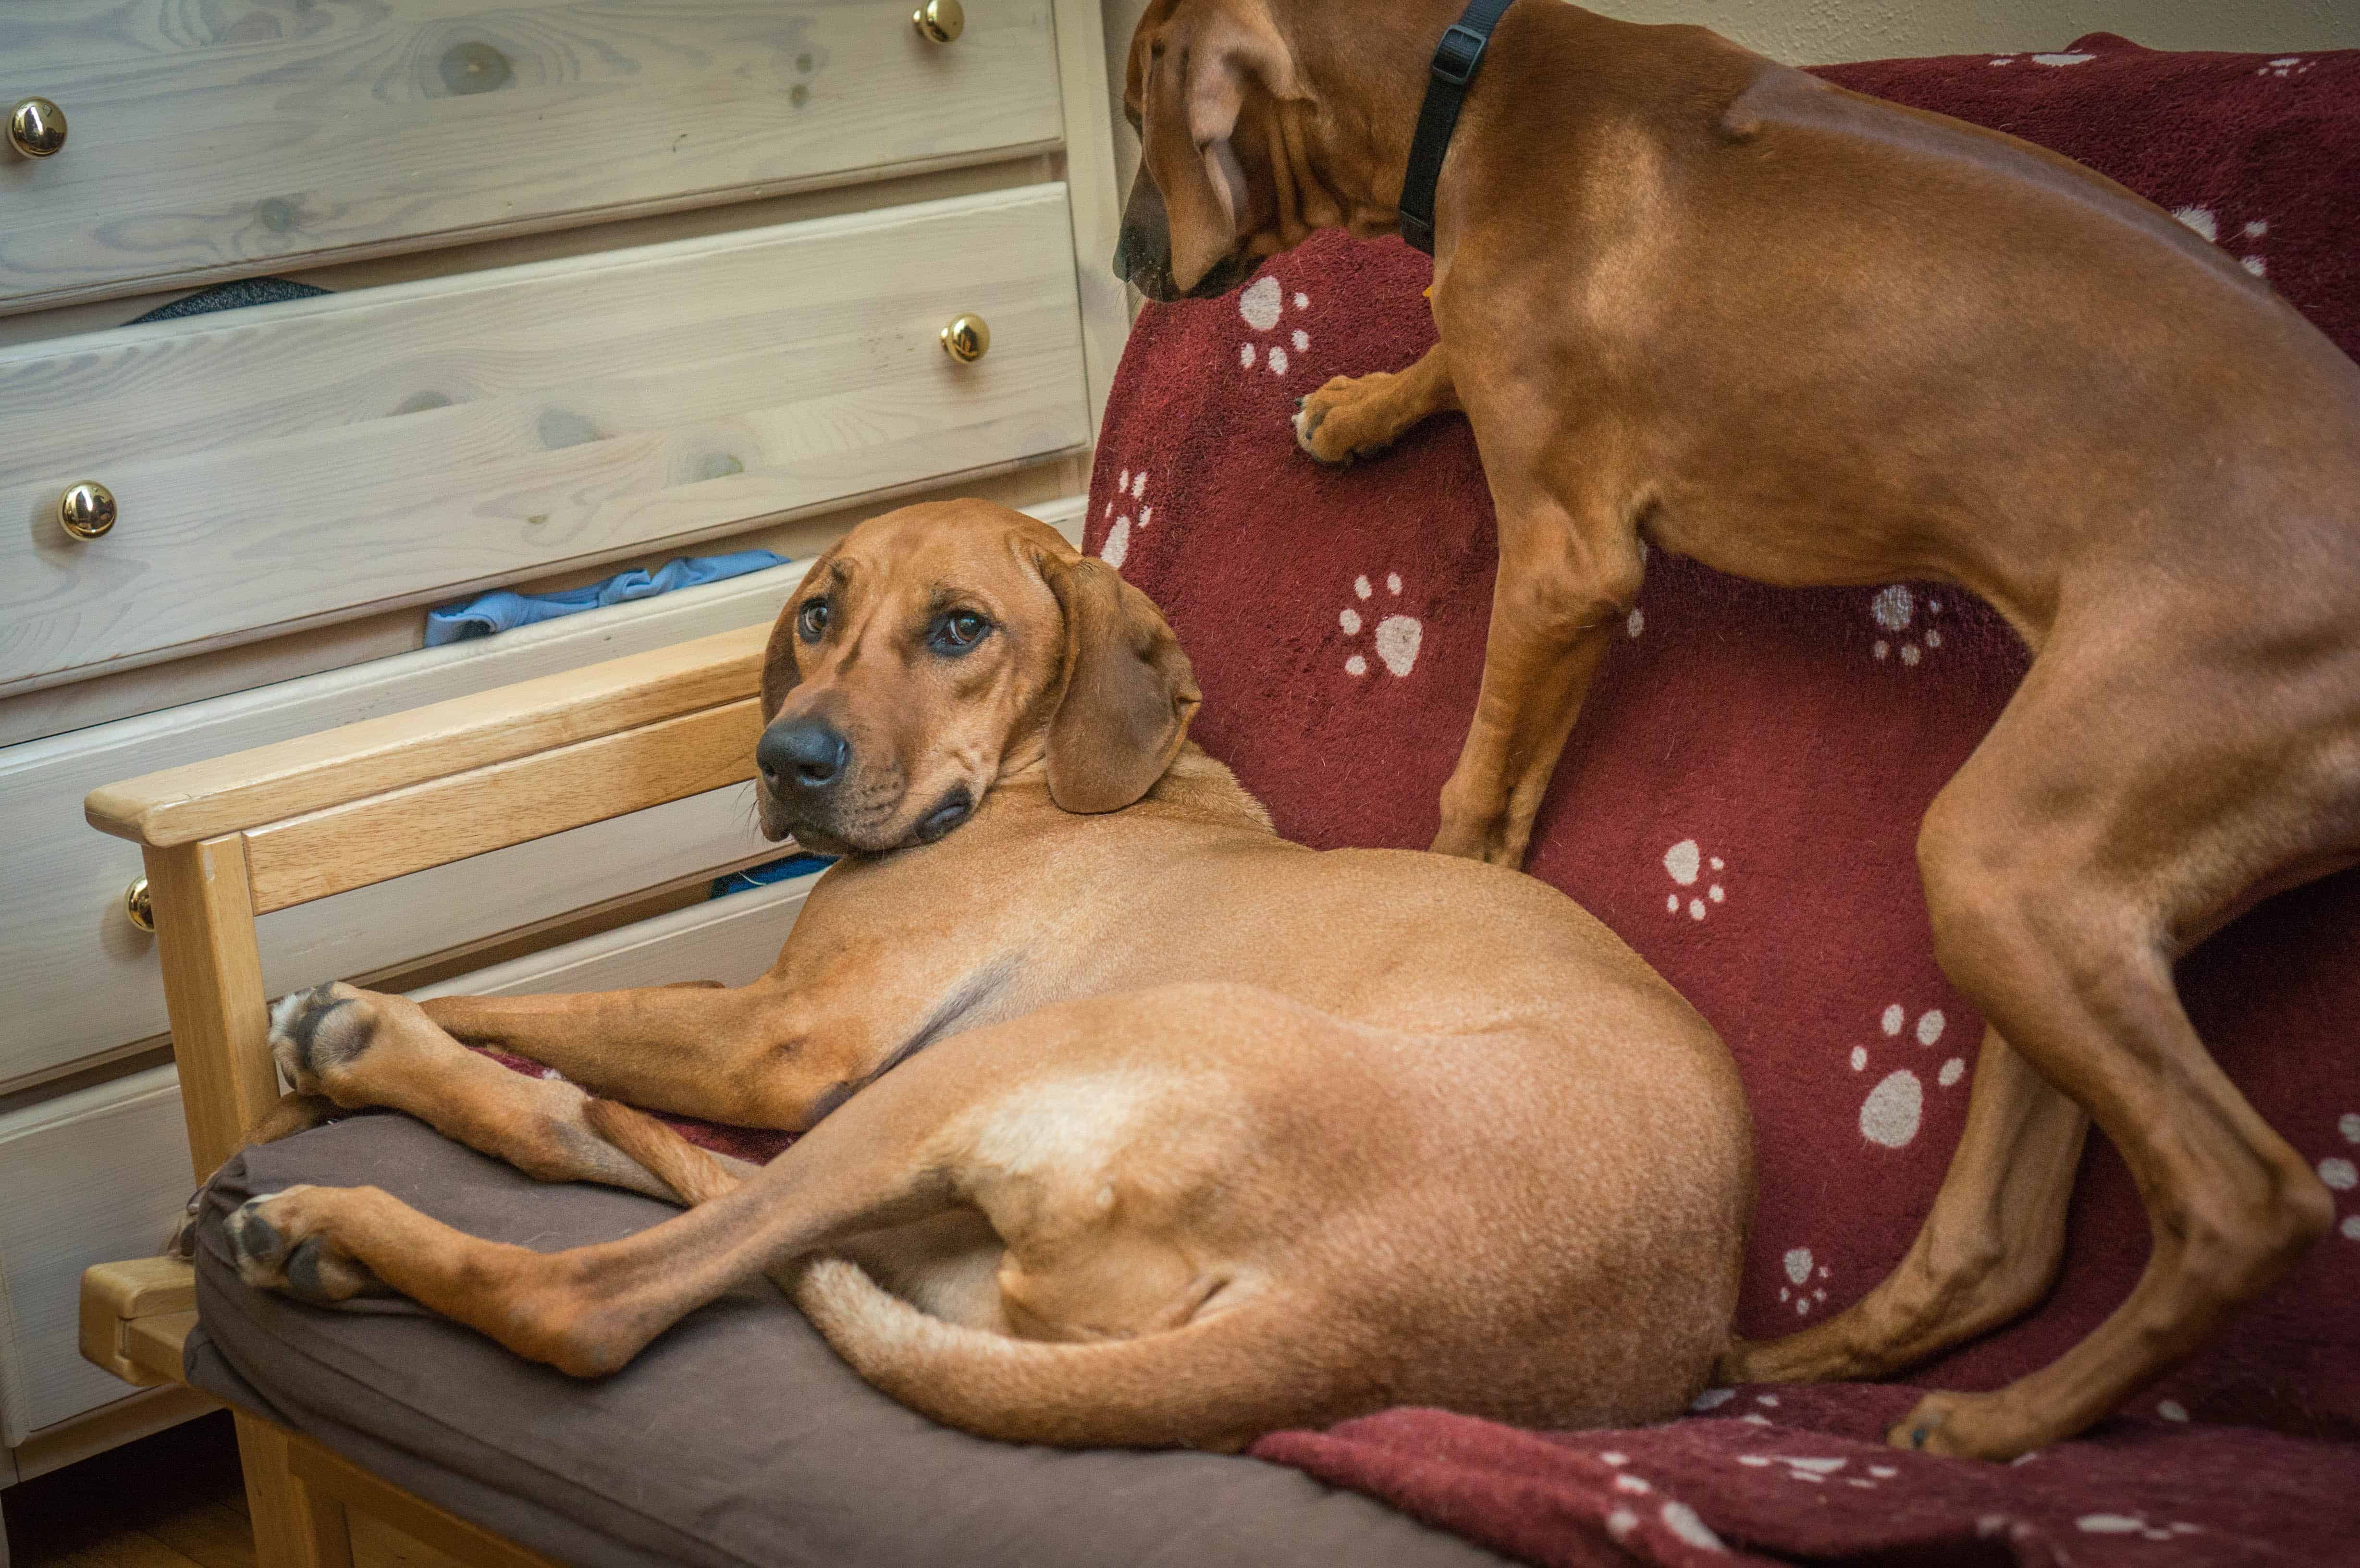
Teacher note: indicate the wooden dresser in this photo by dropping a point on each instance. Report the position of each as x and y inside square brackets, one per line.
[606, 283]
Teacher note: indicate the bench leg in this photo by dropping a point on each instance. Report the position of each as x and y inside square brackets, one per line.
[294, 1526]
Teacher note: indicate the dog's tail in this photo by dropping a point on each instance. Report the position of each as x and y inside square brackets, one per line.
[697, 1175]
[1217, 1383]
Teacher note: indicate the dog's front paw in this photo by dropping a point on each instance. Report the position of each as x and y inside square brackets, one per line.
[280, 1242]
[1972, 1426]
[315, 1032]
[1351, 418]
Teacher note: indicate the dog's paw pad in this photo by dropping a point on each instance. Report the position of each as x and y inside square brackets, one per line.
[316, 1031]
[1396, 638]
[259, 1244]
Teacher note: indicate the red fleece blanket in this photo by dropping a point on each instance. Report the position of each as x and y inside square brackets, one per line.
[1741, 802]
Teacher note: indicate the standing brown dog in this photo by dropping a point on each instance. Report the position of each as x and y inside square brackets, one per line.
[1691, 297]
[1141, 1124]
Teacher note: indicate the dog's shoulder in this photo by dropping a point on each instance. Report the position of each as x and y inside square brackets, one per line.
[1198, 783]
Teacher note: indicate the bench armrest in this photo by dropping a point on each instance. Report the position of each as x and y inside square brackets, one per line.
[135, 1318]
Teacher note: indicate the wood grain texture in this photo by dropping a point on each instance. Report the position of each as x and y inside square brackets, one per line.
[328, 1476]
[212, 994]
[231, 138]
[93, 1431]
[732, 939]
[1095, 195]
[90, 1177]
[440, 740]
[295, 1525]
[449, 819]
[475, 430]
[116, 1295]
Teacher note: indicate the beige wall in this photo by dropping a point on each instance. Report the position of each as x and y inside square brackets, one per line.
[1807, 32]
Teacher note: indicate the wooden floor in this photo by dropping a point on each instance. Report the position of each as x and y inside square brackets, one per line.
[173, 1500]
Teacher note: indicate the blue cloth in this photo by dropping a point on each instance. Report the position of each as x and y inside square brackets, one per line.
[754, 877]
[501, 610]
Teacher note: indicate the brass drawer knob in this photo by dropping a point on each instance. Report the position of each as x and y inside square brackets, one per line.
[36, 127]
[939, 20]
[86, 510]
[136, 906]
[967, 339]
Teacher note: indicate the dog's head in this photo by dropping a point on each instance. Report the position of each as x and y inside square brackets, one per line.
[1204, 89]
[942, 648]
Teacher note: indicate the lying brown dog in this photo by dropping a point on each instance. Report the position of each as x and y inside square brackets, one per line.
[1159, 1129]
[1689, 296]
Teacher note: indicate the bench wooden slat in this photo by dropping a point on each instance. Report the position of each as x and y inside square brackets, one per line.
[310, 774]
[450, 818]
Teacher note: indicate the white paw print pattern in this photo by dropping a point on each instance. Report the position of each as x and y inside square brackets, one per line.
[2046, 59]
[1817, 1471]
[2286, 66]
[1805, 1287]
[1687, 864]
[2134, 1524]
[2342, 1176]
[1397, 636]
[1890, 1114]
[1263, 305]
[2207, 222]
[1130, 493]
[1894, 610]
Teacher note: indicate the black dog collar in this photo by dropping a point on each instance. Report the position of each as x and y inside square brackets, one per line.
[1456, 60]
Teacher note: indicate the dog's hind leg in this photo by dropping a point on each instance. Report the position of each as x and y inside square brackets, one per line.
[2085, 846]
[1359, 416]
[1987, 1253]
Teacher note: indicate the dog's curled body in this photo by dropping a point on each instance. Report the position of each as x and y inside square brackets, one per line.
[1135, 1125]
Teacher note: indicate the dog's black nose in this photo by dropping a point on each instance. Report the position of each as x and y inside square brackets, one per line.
[804, 754]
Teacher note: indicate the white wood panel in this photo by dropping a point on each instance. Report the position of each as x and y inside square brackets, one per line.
[92, 1176]
[295, 463]
[240, 136]
[732, 939]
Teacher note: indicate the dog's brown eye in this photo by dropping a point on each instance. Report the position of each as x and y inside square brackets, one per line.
[812, 620]
[958, 631]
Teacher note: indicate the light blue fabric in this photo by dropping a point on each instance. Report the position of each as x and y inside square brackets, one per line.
[501, 610]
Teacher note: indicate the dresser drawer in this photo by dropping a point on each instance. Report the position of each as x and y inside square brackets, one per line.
[90, 1177]
[231, 138]
[80, 979]
[307, 461]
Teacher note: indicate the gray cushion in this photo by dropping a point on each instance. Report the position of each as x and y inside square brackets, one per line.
[737, 1438]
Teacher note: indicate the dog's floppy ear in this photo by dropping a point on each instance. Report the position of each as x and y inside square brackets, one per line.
[1126, 694]
[1191, 86]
